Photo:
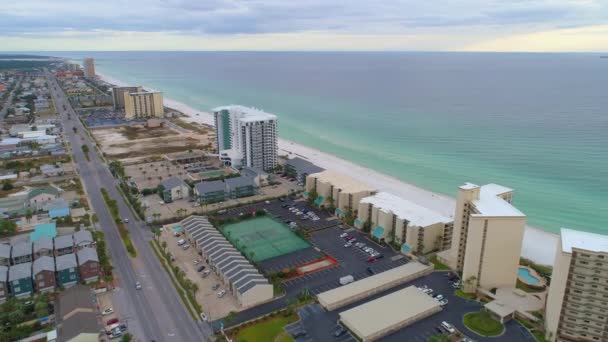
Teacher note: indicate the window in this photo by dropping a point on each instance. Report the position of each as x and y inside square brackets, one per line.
[41, 284]
[17, 289]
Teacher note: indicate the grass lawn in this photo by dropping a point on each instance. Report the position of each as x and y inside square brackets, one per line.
[483, 324]
[539, 335]
[461, 294]
[527, 288]
[266, 331]
[439, 266]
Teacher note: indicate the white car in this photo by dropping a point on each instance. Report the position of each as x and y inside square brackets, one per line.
[443, 302]
[343, 235]
[107, 311]
[196, 261]
[181, 242]
[186, 246]
[221, 294]
[204, 317]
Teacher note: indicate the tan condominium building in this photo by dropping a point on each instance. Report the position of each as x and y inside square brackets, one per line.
[145, 104]
[337, 190]
[118, 95]
[89, 67]
[416, 228]
[577, 305]
[487, 237]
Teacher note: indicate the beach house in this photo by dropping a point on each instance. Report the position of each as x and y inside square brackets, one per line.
[88, 264]
[173, 189]
[64, 244]
[43, 274]
[21, 252]
[83, 239]
[43, 246]
[20, 280]
[67, 270]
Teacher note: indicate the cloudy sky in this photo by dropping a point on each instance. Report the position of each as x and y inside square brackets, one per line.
[444, 25]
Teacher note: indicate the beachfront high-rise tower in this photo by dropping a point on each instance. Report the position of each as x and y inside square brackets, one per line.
[118, 95]
[577, 305]
[89, 67]
[246, 137]
[144, 104]
[486, 238]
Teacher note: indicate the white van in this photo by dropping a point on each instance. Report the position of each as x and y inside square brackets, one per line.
[181, 242]
[347, 280]
[448, 327]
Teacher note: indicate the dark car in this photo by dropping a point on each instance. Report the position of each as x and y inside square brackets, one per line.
[372, 259]
[370, 270]
[339, 331]
[200, 268]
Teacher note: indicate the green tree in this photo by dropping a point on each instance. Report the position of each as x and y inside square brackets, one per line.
[126, 338]
[41, 308]
[85, 148]
[164, 245]
[7, 227]
[7, 185]
[28, 214]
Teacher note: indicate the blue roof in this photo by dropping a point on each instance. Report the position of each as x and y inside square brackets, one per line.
[45, 229]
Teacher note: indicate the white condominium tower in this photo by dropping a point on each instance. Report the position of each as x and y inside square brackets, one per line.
[577, 305]
[89, 67]
[246, 137]
[487, 237]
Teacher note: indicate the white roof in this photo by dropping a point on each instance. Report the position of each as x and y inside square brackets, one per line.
[247, 114]
[490, 203]
[417, 215]
[373, 318]
[145, 92]
[346, 183]
[583, 240]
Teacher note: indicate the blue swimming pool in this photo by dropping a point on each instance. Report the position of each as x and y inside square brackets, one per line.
[176, 228]
[525, 274]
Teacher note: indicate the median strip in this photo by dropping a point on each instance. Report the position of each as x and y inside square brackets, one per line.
[122, 230]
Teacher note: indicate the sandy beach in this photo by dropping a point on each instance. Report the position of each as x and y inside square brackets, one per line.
[538, 245]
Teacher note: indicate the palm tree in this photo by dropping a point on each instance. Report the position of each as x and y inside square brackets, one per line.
[164, 244]
[28, 215]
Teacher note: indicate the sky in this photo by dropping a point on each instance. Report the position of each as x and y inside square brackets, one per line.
[391, 25]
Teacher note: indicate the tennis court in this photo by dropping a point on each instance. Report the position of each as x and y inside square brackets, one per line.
[263, 238]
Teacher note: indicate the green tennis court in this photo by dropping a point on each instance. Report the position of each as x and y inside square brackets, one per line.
[263, 238]
[211, 174]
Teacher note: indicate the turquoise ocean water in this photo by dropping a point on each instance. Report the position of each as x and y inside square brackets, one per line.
[537, 123]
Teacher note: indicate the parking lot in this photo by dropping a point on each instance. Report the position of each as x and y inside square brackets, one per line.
[213, 306]
[320, 324]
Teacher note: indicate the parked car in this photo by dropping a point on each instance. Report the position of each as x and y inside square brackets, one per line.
[112, 321]
[200, 268]
[205, 273]
[215, 287]
[186, 246]
[438, 297]
[370, 270]
[181, 242]
[204, 317]
[371, 259]
[339, 331]
[444, 302]
[197, 261]
[115, 334]
[448, 327]
[348, 244]
[343, 235]
[107, 311]
[137, 285]
[221, 294]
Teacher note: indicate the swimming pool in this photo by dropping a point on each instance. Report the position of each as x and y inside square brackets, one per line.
[176, 228]
[527, 277]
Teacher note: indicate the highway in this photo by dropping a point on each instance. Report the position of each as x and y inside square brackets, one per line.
[155, 313]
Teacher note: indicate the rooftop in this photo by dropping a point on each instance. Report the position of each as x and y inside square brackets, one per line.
[490, 202]
[342, 181]
[21, 249]
[247, 114]
[304, 166]
[44, 263]
[87, 254]
[76, 313]
[239, 181]
[48, 230]
[172, 182]
[213, 186]
[5, 250]
[20, 271]
[416, 215]
[583, 240]
[66, 261]
[375, 317]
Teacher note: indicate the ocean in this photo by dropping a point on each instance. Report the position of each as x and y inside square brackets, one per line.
[537, 123]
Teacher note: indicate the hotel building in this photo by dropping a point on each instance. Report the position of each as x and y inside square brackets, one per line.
[487, 237]
[89, 67]
[145, 104]
[246, 137]
[416, 228]
[344, 191]
[118, 95]
[577, 305]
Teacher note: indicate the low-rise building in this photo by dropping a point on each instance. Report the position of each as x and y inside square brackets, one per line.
[392, 218]
[49, 170]
[174, 189]
[76, 315]
[210, 192]
[83, 239]
[88, 264]
[241, 186]
[57, 208]
[3, 283]
[64, 244]
[38, 197]
[67, 270]
[337, 190]
[5, 254]
[43, 274]
[21, 253]
[259, 176]
[20, 280]
[43, 246]
[300, 169]
[230, 188]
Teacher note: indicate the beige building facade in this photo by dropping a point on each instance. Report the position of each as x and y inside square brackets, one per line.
[577, 305]
[416, 228]
[146, 104]
[487, 237]
[344, 191]
[118, 95]
[89, 67]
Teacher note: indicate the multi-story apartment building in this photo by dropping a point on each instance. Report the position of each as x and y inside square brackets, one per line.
[143, 104]
[392, 218]
[3, 283]
[89, 67]
[246, 137]
[487, 237]
[118, 95]
[337, 190]
[577, 305]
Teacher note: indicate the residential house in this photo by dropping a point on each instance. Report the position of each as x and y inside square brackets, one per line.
[241, 186]
[22, 253]
[20, 280]
[64, 244]
[76, 315]
[259, 176]
[49, 170]
[67, 270]
[43, 274]
[5, 254]
[82, 239]
[43, 247]
[38, 197]
[88, 264]
[77, 214]
[3, 283]
[210, 192]
[174, 189]
[57, 208]
[14, 205]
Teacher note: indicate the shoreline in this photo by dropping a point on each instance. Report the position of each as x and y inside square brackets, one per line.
[543, 252]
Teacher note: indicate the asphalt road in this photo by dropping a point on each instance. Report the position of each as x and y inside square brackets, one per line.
[155, 313]
[9, 100]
